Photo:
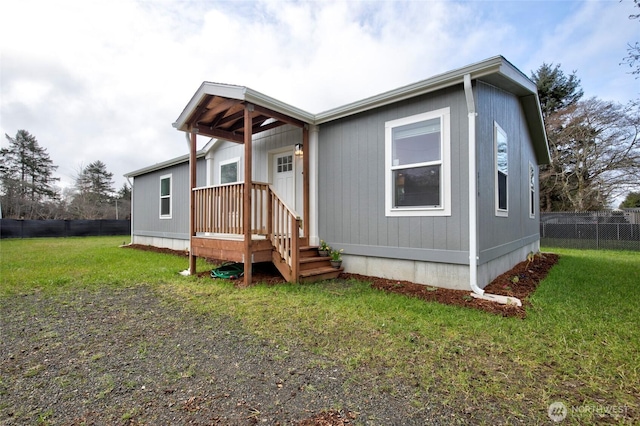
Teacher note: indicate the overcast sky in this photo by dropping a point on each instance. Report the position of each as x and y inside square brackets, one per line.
[104, 80]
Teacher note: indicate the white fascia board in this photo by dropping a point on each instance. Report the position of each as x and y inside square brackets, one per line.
[240, 93]
[273, 104]
[508, 70]
[164, 164]
[496, 65]
[489, 66]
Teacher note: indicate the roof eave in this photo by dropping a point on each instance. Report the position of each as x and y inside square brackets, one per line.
[507, 75]
[240, 93]
[164, 164]
[432, 84]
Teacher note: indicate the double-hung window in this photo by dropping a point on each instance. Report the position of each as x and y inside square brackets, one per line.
[502, 171]
[165, 197]
[418, 170]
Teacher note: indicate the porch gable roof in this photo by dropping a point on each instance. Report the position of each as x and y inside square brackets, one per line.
[217, 110]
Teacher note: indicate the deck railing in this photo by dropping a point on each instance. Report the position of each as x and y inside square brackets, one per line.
[220, 209]
[285, 235]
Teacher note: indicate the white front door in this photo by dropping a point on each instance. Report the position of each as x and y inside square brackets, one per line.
[283, 177]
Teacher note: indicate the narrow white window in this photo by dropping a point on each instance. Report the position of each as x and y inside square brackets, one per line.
[165, 197]
[532, 191]
[502, 171]
[229, 171]
[418, 175]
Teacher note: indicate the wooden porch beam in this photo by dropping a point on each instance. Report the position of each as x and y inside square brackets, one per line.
[279, 116]
[220, 134]
[223, 106]
[265, 127]
[256, 121]
[201, 109]
[229, 118]
[246, 217]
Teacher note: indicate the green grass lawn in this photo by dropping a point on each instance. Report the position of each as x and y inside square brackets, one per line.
[580, 342]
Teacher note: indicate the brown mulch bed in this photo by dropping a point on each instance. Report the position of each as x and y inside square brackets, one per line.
[520, 281]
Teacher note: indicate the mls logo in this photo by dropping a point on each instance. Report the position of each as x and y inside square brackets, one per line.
[557, 411]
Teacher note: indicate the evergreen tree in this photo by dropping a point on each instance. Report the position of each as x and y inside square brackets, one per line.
[632, 201]
[26, 177]
[123, 202]
[555, 89]
[124, 193]
[96, 182]
[94, 193]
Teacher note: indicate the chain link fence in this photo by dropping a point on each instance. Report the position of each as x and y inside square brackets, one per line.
[609, 229]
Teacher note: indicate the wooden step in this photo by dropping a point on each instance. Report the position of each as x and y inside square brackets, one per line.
[308, 251]
[307, 263]
[320, 274]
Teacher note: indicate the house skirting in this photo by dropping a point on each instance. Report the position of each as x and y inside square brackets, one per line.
[161, 242]
[445, 275]
[491, 269]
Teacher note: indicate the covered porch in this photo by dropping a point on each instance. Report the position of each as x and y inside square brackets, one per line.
[248, 221]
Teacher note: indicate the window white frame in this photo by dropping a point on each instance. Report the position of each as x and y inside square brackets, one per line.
[532, 191]
[501, 160]
[165, 196]
[225, 163]
[444, 209]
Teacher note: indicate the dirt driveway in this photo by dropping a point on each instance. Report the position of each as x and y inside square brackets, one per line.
[128, 356]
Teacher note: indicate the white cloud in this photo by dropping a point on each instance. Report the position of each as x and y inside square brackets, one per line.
[104, 79]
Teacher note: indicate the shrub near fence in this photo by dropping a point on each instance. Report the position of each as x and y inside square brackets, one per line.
[13, 228]
[618, 230]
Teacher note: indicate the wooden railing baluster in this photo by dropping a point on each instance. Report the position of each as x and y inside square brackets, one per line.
[219, 210]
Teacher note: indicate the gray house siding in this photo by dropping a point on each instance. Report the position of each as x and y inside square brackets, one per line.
[146, 206]
[263, 143]
[351, 181]
[499, 236]
[223, 152]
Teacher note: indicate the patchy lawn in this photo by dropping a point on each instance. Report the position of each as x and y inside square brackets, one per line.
[94, 334]
[520, 282]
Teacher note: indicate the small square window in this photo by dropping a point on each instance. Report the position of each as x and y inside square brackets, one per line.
[285, 164]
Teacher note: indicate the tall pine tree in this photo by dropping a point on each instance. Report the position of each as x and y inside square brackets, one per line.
[26, 177]
[556, 92]
[94, 192]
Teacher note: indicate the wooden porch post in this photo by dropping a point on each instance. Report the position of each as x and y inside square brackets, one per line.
[192, 207]
[246, 216]
[305, 182]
